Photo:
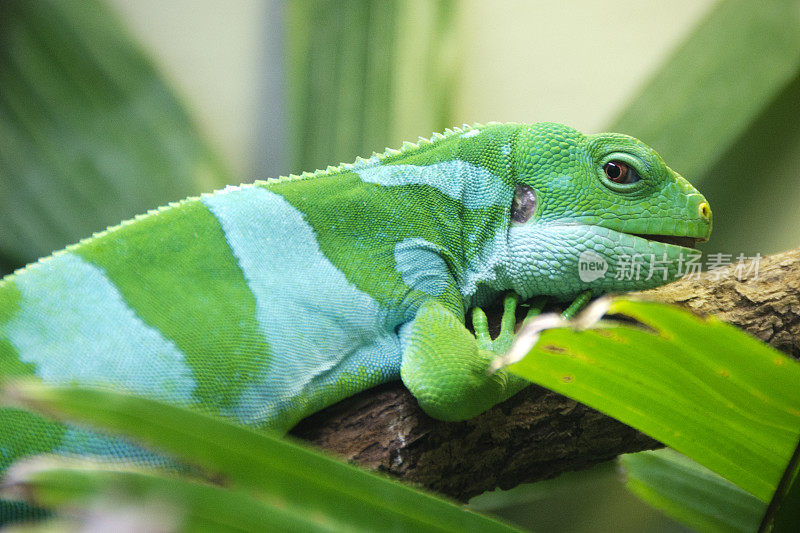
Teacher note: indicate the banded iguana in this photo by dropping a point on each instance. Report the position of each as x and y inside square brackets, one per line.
[263, 303]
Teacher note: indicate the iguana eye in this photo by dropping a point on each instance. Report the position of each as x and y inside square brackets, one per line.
[524, 204]
[620, 172]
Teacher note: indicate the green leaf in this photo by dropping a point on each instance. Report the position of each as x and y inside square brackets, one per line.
[789, 513]
[358, 69]
[340, 70]
[270, 467]
[732, 65]
[783, 511]
[90, 134]
[690, 493]
[153, 501]
[700, 386]
[766, 216]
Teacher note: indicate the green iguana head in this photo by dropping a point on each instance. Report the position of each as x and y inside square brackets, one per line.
[600, 212]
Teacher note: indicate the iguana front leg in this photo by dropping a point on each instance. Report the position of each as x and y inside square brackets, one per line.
[446, 368]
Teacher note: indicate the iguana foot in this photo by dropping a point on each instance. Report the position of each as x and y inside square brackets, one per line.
[447, 368]
[505, 338]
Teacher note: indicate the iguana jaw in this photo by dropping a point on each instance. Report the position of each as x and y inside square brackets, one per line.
[686, 238]
[679, 241]
[675, 240]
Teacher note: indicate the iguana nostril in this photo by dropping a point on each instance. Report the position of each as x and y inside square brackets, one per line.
[704, 210]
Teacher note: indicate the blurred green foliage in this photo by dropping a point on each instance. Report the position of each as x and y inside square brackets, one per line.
[90, 134]
[691, 493]
[340, 65]
[723, 111]
[787, 515]
[582, 501]
[783, 512]
[268, 482]
[717, 83]
[343, 65]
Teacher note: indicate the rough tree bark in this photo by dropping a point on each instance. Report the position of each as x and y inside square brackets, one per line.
[538, 434]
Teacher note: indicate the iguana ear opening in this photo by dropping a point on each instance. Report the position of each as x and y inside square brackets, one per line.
[524, 204]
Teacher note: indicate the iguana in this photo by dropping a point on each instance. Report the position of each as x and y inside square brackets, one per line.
[263, 303]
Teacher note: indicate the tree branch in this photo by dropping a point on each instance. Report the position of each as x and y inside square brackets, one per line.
[538, 434]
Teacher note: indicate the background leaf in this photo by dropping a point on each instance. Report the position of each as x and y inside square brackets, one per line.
[789, 513]
[783, 511]
[700, 101]
[690, 493]
[350, 81]
[90, 134]
[722, 111]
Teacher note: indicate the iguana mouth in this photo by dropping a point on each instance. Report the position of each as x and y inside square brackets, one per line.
[677, 240]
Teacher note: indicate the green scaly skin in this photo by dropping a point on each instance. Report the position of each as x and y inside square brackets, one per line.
[266, 302]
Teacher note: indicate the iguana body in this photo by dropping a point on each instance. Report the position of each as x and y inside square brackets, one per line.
[266, 302]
